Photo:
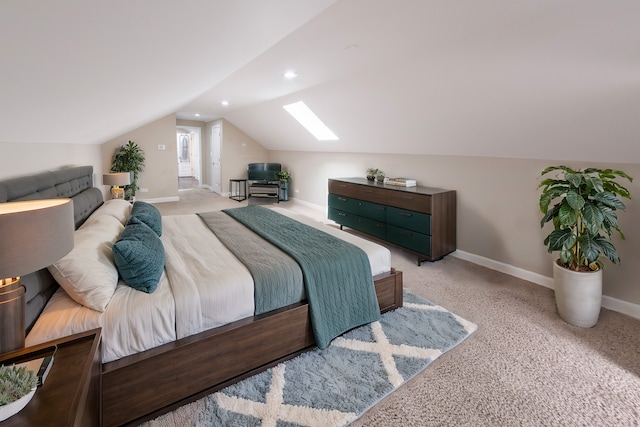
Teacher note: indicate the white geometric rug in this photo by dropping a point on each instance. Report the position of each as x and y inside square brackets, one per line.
[335, 386]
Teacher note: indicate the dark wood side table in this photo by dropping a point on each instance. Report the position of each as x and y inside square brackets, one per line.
[71, 393]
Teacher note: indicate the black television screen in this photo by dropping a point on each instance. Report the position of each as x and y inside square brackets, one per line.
[263, 171]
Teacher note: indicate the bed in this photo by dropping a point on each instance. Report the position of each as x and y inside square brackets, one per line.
[186, 356]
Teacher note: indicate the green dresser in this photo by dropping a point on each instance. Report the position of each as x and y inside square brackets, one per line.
[421, 220]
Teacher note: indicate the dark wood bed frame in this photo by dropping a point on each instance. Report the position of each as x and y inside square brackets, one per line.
[145, 385]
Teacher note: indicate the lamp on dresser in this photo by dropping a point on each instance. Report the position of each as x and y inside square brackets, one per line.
[116, 180]
[35, 234]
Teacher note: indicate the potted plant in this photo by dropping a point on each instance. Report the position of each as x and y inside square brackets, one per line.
[380, 176]
[284, 178]
[582, 206]
[17, 387]
[371, 174]
[129, 158]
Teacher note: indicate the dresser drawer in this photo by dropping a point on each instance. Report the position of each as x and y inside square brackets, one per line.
[344, 203]
[371, 210]
[342, 217]
[343, 188]
[411, 220]
[372, 194]
[409, 239]
[413, 201]
[374, 228]
[369, 226]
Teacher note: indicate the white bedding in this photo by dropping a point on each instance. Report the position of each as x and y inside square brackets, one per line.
[204, 286]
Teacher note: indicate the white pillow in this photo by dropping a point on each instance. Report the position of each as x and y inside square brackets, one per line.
[88, 273]
[117, 208]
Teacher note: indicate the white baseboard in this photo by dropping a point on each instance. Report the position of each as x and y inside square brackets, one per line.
[161, 199]
[624, 307]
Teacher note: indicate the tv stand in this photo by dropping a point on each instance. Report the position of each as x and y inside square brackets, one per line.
[266, 189]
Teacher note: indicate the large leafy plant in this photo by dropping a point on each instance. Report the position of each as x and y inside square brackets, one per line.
[583, 214]
[129, 158]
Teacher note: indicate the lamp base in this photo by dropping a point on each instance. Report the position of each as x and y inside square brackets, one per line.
[117, 193]
[12, 308]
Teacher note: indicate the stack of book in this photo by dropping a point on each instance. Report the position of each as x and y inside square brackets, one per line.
[401, 182]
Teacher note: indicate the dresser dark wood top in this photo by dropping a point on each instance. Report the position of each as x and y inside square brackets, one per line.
[417, 189]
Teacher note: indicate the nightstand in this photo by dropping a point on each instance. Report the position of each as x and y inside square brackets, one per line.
[71, 394]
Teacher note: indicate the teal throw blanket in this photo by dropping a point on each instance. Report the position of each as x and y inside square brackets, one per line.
[337, 274]
[277, 278]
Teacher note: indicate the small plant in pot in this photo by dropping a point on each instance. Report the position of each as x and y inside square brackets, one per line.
[581, 205]
[371, 174]
[17, 386]
[283, 176]
[283, 192]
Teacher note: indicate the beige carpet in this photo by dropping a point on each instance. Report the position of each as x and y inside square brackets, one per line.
[523, 366]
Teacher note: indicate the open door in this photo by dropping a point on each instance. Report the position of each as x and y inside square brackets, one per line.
[216, 142]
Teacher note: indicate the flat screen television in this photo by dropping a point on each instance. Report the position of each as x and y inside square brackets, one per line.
[263, 171]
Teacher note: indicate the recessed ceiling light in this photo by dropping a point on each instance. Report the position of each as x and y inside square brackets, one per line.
[225, 102]
[197, 114]
[310, 121]
[290, 75]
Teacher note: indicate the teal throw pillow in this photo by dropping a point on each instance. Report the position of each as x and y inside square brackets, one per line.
[139, 256]
[148, 214]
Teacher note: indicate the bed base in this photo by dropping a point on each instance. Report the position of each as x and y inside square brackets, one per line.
[143, 386]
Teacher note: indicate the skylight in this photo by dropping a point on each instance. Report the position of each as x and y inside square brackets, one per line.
[310, 121]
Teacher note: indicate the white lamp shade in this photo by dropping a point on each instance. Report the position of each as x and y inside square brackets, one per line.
[116, 178]
[35, 234]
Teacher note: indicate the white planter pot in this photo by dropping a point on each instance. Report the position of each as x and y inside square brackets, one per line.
[578, 295]
[13, 408]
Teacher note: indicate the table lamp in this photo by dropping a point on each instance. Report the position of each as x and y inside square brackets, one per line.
[116, 180]
[35, 234]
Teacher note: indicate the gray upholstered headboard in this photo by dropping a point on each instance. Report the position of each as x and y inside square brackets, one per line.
[75, 183]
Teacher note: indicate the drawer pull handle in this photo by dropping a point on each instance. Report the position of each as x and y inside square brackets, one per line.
[406, 214]
[404, 233]
[380, 208]
[380, 225]
[342, 199]
[408, 197]
[368, 191]
[342, 214]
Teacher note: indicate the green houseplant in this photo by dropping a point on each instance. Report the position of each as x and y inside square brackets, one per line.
[581, 205]
[283, 176]
[17, 386]
[129, 158]
[371, 174]
[283, 192]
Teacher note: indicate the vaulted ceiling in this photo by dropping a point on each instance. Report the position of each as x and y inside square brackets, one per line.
[529, 79]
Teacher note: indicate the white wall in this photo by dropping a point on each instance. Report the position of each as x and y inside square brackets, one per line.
[24, 159]
[160, 174]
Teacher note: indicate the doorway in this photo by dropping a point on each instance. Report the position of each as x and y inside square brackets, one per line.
[188, 154]
[216, 147]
